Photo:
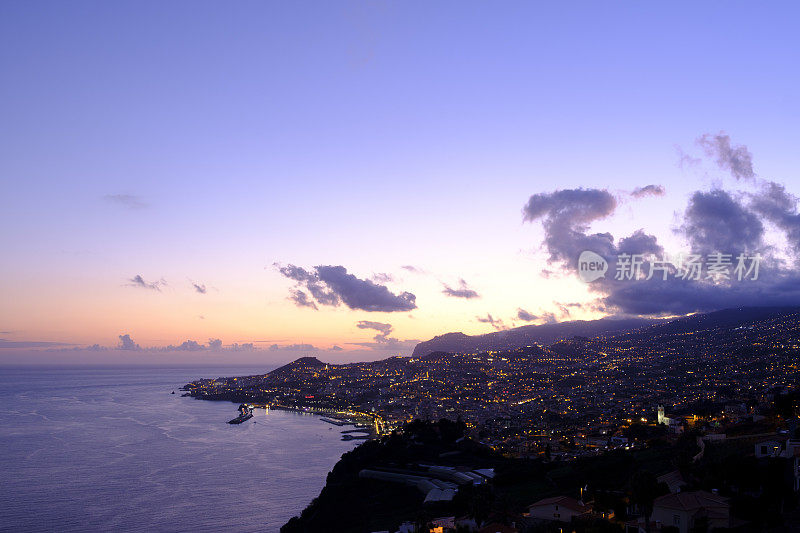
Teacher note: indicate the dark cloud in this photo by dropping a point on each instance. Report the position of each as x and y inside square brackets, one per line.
[382, 340]
[735, 159]
[495, 322]
[364, 294]
[199, 287]
[323, 295]
[383, 329]
[639, 243]
[382, 277]
[388, 343]
[126, 200]
[648, 190]
[186, 346]
[522, 314]
[463, 291]
[685, 160]
[333, 285]
[335, 348]
[244, 347]
[311, 281]
[301, 299]
[138, 281]
[779, 207]
[549, 318]
[293, 347]
[716, 222]
[566, 216]
[126, 343]
[678, 296]
[296, 273]
[564, 309]
[412, 268]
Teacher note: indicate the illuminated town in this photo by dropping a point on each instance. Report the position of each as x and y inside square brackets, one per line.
[707, 378]
[400, 267]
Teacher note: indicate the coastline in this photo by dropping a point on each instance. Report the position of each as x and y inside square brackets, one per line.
[336, 417]
[371, 421]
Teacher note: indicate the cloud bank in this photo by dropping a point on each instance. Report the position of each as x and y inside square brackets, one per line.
[716, 220]
[139, 282]
[199, 287]
[648, 190]
[463, 291]
[496, 323]
[333, 286]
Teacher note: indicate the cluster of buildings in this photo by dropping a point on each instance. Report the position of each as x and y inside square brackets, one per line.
[575, 398]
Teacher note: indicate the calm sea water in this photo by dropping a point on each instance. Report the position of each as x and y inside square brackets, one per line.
[102, 449]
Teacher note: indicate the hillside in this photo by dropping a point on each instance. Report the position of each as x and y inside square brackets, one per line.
[527, 335]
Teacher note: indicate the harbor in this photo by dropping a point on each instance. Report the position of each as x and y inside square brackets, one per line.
[360, 431]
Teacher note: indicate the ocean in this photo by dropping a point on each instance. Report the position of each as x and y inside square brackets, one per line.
[102, 449]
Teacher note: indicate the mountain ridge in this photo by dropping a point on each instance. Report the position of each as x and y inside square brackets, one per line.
[459, 342]
[546, 334]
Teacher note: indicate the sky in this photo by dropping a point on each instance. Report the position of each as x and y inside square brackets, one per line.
[253, 182]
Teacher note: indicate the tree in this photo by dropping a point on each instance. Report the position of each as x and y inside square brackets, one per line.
[644, 490]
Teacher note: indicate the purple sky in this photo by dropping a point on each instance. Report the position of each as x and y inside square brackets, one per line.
[161, 162]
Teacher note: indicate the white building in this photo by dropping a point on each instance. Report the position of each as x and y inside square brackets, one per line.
[662, 418]
[684, 509]
[675, 424]
[558, 508]
[782, 446]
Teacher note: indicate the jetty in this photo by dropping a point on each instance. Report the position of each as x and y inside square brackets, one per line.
[337, 422]
[245, 413]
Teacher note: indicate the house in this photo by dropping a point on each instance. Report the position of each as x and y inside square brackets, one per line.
[683, 509]
[441, 525]
[662, 418]
[558, 508]
[466, 523]
[498, 528]
[782, 446]
[600, 441]
[675, 424]
[674, 481]
[778, 446]
[734, 411]
[638, 525]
